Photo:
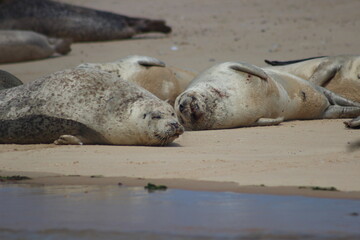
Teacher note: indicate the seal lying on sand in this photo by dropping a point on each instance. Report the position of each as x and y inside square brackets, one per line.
[17, 46]
[150, 73]
[7, 80]
[77, 23]
[85, 106]
[238, 94]
[340, 74]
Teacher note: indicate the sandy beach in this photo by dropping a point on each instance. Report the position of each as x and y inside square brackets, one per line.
[297, 153]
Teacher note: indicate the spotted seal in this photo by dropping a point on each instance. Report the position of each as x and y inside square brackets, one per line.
[85, 106]
[80, 24]
[235, 94]
[18, 46]
[340, 74]
[163, 81]
[7, 80]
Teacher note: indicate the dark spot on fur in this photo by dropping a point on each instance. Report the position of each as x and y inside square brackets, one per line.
[221, 94]
[303, 96]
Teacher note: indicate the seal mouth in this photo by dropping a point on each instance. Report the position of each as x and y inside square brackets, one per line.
[170, 135]
[190, 111]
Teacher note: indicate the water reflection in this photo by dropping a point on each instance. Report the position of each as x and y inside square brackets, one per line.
[74, 211]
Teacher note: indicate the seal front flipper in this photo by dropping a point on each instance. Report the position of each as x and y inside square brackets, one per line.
[353, 123]
[148, 61]
[324, 73]
[250, 69]
[268, 121]
[69, 140]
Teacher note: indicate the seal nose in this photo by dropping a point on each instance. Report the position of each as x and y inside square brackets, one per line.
[178, 128]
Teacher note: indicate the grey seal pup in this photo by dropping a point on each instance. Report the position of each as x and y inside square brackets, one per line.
[18, 46]
[85, 106]
[235, 94]
[340, 74]
[7, 80]
[165, 82]
[80, 24]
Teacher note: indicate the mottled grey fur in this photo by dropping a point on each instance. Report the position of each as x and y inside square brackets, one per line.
[77, 23]
[89, 105]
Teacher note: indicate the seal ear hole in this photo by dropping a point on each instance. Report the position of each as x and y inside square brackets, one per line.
[173, 114]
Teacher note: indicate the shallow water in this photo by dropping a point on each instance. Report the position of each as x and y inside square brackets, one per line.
[112, 212]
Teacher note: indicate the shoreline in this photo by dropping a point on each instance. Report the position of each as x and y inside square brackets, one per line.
[44, 179]
[295, 153]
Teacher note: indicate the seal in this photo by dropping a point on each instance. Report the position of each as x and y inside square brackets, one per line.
[85, 106]
[7, 80]
[340, 74]
[80, 24]
[18, 46]
[235, 94]
[163, 81]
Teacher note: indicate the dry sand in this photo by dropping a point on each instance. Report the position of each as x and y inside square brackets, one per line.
[299, 153]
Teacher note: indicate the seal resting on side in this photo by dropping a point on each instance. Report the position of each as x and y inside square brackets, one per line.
[235, 94]
[85, 106]
[63, 20]
[340, 74]
[7, 80]
[150, 73]
[18, 46]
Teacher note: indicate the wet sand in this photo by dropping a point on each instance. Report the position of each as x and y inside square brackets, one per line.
[298, 153]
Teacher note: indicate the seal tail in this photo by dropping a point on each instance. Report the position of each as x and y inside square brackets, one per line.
[282, 63]
[147, 25]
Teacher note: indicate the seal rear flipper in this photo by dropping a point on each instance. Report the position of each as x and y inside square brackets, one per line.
[70, 140]
[283, 63]
[353, 123]
[268, 121]
[143, 25]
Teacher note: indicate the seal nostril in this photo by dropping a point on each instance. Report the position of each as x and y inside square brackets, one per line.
[175, 125]
[181, 108]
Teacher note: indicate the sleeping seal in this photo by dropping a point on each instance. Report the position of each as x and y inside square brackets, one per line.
[235, 94]
[18, 46]
[150, 73]
[340, 74]
[80, 24]
[7, 80]
[85, 106]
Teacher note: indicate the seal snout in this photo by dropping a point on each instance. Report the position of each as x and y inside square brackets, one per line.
[177, 129]
[190, 109]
